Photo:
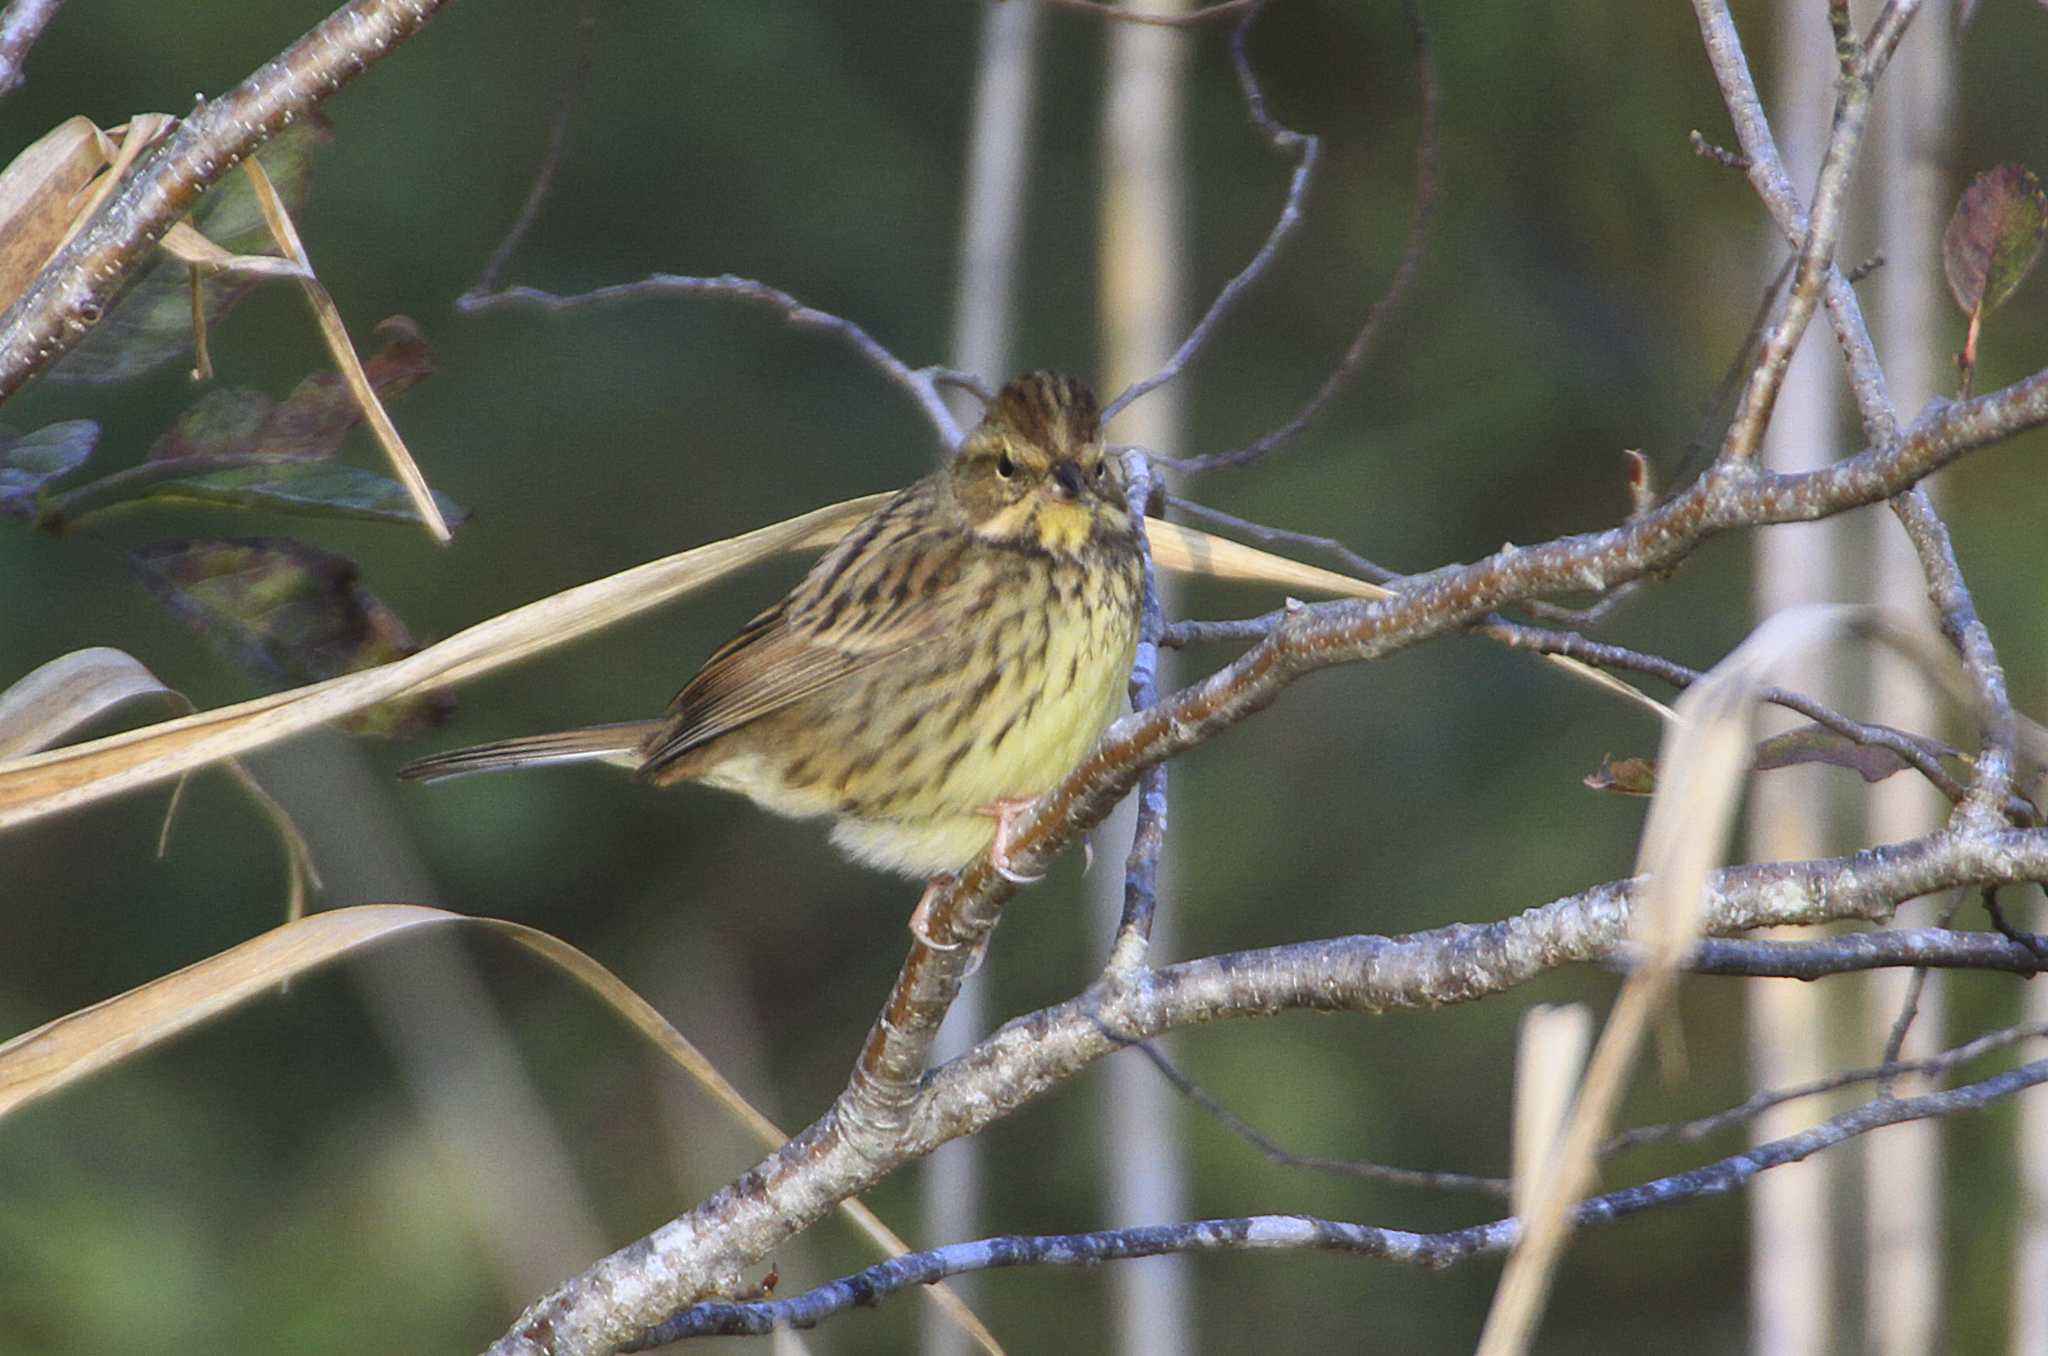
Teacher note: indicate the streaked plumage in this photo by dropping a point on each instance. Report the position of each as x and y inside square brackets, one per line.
[958, 651]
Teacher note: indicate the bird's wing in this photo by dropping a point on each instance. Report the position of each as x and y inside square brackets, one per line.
[874, 597]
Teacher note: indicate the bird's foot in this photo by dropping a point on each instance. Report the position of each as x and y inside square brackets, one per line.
[1005, 813]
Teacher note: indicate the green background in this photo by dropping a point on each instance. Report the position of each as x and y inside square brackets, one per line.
[273, 1182]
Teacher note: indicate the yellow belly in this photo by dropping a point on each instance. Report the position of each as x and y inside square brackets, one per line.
[906, 754]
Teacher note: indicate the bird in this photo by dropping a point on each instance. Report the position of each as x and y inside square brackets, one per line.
[949, 661]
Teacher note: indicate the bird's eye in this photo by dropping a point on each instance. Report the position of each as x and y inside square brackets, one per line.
[1005, 467]
[1101, 469]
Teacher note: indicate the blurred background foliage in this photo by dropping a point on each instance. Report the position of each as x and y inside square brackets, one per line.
[396, 1154]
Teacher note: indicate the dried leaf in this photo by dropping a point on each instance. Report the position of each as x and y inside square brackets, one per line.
[308, 424]
[1624, 776]
[1994, 238]
[313, 419]
[39, 197]
[1818, 744]
[288, 613]
[149, 323]
[28, 464]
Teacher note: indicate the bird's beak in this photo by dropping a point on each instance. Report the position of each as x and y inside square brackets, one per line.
[1067, 480]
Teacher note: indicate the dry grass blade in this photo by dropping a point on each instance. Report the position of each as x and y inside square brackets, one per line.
[43, 784]
[46, 783]
[1549, 1057]
[1185, 550]
[59, 1053]
[336, 333]
[73, 690]
[1701, 767]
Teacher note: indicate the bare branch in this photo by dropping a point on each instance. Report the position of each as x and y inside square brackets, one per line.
[20, 25]
[842, 1154]
[582, 42]
[1306, 1233]
[1934, 1066]
[1937, 948]
[1992, 780]
[922, 383]
[1398, 287]
[74, 289]
[1306, 150]
[1277, 1154]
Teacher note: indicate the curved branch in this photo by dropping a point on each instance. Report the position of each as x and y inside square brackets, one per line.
[74, 289]
[627, 1293]
[1296, 1233]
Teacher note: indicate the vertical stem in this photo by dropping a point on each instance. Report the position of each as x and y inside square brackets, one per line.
[1791, 1261]
[1902, 1243]
[984, 316]
[1140, 320]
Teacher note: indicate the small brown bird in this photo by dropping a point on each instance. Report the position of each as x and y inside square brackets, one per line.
[945, 664]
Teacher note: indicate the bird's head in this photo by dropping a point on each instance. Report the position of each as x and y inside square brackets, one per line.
[1034, 474]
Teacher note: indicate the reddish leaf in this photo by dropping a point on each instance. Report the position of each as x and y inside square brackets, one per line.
[289, 614]
[310, 422]
[1994, 239]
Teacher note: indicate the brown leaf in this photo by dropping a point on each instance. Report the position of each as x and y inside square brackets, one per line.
[1994, 238]
[1818, 744]
[1624, 776]
[288, 613]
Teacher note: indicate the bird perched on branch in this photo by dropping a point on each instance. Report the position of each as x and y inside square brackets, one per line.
[945, 664]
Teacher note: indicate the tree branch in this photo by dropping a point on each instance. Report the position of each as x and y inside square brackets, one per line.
[1293, 1233]
[922, 383]
[704, 1250]
[74, 289]
[20, 25]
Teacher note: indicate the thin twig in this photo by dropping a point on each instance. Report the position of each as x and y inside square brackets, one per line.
[575, 77]
[1305, 1233]
[1934, 1066]
[1306, 149]
[1275, 1153]
[21, 24]
[1992, 781]
[1405, 272]
[922, 383]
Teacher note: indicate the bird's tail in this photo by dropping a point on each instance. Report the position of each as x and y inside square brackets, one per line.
[619, 744]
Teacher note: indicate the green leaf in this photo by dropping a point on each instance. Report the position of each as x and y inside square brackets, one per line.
[27, 464]
[289, 485]
[1994, 238]
[149, 323]
[288, 614]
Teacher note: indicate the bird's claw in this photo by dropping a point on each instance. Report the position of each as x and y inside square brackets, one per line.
[1005, 813]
